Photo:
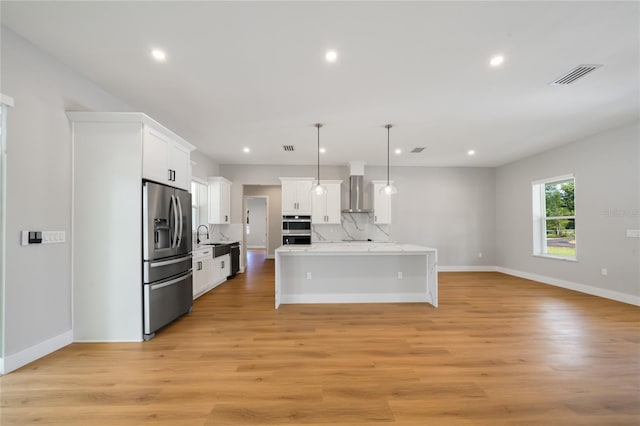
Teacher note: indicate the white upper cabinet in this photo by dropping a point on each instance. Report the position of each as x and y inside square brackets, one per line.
[381, 203]
[219, 200]
[180, 163]
[326, 207]
[296, 196]
[165, 159]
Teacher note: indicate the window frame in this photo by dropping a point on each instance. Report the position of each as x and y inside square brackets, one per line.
[540, 218]
[197, 203]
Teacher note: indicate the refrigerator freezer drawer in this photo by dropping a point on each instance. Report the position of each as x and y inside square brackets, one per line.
[156, 270]
[165, 301]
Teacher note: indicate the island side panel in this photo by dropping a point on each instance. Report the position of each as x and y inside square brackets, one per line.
[352, 278]
[277, 282]
[432, 277]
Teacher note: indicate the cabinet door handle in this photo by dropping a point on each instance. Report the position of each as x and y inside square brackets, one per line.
[169, 174]
[199, 266]
[222, 265]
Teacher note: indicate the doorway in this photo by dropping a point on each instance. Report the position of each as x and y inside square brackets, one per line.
[256, 229]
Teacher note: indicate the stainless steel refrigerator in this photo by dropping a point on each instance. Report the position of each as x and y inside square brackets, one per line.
[166, 252]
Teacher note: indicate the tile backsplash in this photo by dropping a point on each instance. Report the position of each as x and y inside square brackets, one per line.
[231, 232]
[354, 227]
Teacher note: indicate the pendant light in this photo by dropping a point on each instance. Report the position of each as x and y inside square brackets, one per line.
[318, 189]
[388, 189]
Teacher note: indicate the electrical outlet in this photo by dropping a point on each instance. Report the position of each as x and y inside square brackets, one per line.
[633, 233]
[604, 272]
[479, 255]
[399, 275]
[308, 275]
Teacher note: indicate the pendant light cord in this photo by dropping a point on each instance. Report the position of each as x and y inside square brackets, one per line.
[388, 126]
[318, 154]
[388, 155]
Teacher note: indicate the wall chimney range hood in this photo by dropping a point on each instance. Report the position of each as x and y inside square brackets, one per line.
[356, 188]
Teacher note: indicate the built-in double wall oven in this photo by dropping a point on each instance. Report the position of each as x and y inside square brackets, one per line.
[296, 230]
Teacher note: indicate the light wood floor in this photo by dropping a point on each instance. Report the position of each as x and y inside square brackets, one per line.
[498, 350]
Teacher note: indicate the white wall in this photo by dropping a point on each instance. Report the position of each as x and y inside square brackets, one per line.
[451, 209]
[38, 278]
[607, 202]
[257, 208]
[203, 166]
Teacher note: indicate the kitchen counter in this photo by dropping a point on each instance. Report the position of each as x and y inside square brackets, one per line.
[354, 247]
[356, 272]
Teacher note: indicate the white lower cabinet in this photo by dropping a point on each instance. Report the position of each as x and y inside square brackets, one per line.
[209, 272]
[202, 271]
[221, 269]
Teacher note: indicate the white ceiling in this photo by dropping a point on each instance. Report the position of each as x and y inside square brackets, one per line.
[253, 74]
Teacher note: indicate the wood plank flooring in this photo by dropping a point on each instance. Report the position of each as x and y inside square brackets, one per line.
[498, 350]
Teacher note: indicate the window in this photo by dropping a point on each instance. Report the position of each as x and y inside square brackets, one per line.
[554, 217]
[195, 213]
[199, 204]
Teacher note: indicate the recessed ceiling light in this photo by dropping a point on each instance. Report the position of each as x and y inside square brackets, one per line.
[246, 150]
[398, 151]
[496, 61]
[158, 55]
[471, 152]
[331, 56]
[322, 150]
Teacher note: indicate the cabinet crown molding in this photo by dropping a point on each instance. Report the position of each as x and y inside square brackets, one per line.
[125, 117]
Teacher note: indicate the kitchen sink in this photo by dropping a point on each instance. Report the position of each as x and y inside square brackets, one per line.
[219, 249]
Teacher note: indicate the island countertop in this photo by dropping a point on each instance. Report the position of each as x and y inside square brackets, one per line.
[359, 247]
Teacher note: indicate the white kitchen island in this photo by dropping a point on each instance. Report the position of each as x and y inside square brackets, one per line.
[356, 272]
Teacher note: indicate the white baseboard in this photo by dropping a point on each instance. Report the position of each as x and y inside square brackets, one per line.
[594, 291]
[466, 268]
[354, 298]
[271, 256]
[256, 247]
[24, 357]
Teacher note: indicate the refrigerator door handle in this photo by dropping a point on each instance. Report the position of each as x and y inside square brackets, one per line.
[170, 220]
[179, 203]
[174, 237]
[169, 262]
[168, 283]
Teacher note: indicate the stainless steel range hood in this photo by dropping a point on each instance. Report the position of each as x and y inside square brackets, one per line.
[356, 188]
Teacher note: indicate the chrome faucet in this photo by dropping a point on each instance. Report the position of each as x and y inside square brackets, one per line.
[198, 233]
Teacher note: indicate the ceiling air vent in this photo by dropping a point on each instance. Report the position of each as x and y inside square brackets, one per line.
[574, 74]
[288, 148]
[417, 149]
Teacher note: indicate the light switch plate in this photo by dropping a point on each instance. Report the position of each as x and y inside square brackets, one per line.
[50, 237]
[633, 233]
